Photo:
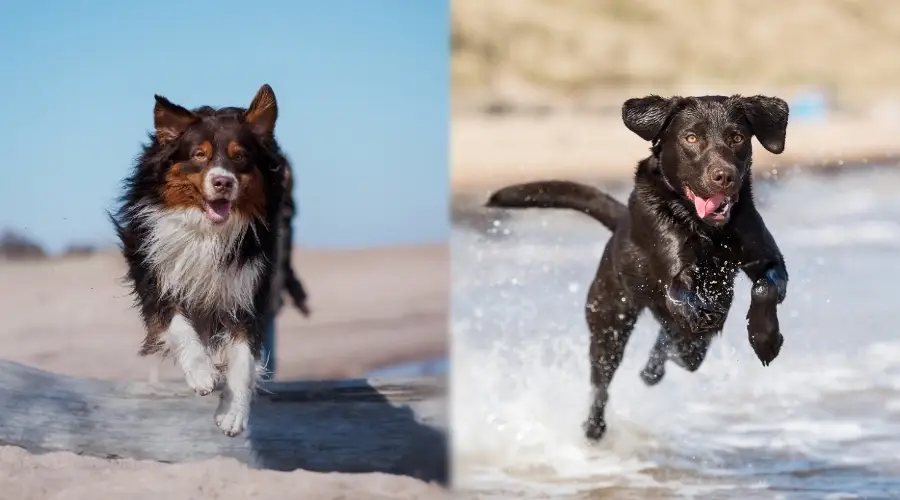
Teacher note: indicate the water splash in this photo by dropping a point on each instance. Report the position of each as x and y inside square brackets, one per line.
[822, 419]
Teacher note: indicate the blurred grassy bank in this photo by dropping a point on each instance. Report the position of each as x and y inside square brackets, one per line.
[538, 84]
[524, 52]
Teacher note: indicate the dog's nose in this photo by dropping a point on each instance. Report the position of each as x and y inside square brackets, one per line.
[722, 178]
[222, 183]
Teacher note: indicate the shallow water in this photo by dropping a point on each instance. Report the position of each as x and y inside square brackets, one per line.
[823, 421]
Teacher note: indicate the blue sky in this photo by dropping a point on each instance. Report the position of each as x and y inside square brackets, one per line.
[362, 88]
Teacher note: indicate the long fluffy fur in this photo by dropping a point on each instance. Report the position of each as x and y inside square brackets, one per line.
[219, 276]
[191, 260]
[205, 228]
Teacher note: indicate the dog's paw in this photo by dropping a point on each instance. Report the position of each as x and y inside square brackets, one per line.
[652, 375]
[594, 429]
[765, 337]
[232, 423]
[595, 425]
[766, 346]
[200, 373]
[230, 417]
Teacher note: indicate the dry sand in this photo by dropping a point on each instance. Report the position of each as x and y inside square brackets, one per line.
[370, 308]
[489, 152]
[65, 476]
[73, 316]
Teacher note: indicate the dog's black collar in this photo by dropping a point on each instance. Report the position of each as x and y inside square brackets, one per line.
[656, 152]
[665, 179]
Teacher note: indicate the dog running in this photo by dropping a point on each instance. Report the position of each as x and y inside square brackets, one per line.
[689, 226]
[205, 228]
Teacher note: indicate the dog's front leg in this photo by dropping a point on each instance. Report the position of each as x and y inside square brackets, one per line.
[769, 289]
[241, 377]
[183, 343]
[762, 262]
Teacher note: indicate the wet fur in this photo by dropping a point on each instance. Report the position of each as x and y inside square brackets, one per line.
[661, 256]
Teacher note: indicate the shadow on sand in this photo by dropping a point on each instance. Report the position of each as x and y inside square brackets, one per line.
[394, 427]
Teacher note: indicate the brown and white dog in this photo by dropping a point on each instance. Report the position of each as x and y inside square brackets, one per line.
[203, 230]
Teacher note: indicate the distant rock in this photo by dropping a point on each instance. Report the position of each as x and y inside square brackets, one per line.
[79, 250]
[16, 246]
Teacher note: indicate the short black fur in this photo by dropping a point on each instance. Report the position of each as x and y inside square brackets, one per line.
[662, 255]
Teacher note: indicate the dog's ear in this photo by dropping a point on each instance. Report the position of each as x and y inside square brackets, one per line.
[768, 117]
[262, 112]
[170, 120]
[646, 116]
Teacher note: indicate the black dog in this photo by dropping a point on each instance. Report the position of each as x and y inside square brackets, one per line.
[689, 226]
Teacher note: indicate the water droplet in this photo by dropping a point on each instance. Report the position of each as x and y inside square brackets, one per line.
[573, 287]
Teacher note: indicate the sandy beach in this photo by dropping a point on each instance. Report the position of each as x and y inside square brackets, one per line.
[72, 315]
[65, 476]
[370, 308]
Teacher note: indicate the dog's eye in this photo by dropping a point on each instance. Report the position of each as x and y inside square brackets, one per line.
[737, 138]
[691, 138]
[237, 157]
[200, 155]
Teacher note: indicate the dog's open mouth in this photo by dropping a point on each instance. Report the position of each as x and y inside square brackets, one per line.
[716, 208]
[218, 211]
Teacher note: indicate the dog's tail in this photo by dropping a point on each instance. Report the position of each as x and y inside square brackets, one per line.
[561, 194]
[295, 288]
[291, 281]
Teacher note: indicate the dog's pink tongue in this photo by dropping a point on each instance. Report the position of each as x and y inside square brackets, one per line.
[706, 206]
[218, 210]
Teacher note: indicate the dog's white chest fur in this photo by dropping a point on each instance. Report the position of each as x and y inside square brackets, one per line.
[187, 253]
